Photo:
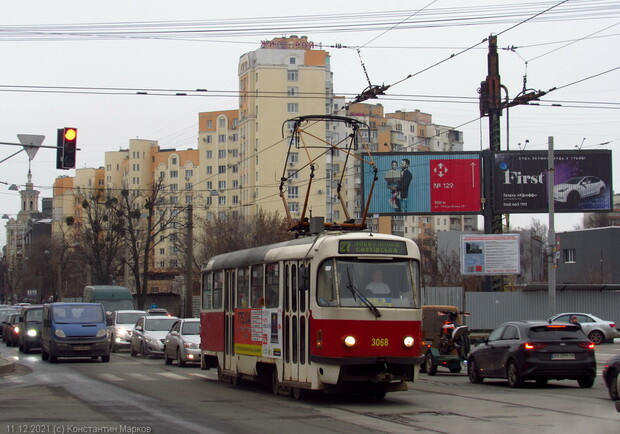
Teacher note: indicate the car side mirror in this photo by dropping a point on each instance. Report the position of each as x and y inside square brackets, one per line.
[139, 328]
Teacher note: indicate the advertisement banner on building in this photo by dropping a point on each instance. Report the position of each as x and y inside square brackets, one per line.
[490, 254]
[424, 183]
[582, 181]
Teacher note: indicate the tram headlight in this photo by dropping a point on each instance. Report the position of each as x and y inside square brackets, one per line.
[349, 341]
[408, 341]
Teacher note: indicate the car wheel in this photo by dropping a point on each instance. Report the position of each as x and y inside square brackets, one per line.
[573, 199]
[513, 375]
[613, 386]
[298, 394]
[473, 373]
[132, 351]
[431, 368]
[105, 359]
[113, 347]
[53, 358]
[143, 351]
[586, 382]
[44, 355]
[180, 361]
[167, 360]
[602, 191]
[596, 337]
[26, 348]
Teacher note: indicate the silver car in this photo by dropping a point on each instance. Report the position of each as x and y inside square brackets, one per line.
[120, 327]
[182, 342]
[148, 335]
[596, 329]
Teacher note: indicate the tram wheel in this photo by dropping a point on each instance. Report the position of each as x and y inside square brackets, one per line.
[298, 394]
[275, 383]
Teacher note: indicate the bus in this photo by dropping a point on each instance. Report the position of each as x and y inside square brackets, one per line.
[112, 297]
[299, 315]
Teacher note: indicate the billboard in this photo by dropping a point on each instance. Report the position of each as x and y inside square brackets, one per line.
[490, 254]
[424, 183]
[582, 181]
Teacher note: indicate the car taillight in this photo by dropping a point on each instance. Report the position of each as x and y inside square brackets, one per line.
[587, 345]
[612, 325]
[533, 346]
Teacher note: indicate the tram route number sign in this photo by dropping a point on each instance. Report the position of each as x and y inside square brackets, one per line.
[372, 247]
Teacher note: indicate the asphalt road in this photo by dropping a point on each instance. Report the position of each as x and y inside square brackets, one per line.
[131, 394]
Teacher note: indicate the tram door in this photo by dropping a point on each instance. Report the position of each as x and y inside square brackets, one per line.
[229, 321]
[295, 325]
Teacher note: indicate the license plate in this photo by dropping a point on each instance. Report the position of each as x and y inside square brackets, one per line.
[81, 348]
[563, 356]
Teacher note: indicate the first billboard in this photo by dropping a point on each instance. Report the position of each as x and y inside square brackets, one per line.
[582, 181]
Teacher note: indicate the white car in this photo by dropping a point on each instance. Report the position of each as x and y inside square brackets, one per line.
[596, 329]
[574, 189]
[120, 327]
[182, 342]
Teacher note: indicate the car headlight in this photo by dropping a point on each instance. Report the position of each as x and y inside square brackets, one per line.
[562, 190]
[151, 340]
[101, 333]
[59, 333]
[32, 333]
[121, 332]
[191, 345]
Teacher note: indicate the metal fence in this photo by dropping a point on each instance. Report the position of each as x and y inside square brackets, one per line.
[490, 309]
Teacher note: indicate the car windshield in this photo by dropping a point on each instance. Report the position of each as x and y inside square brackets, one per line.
[385, 284]
[82, 313]
[158, 325]
[4, 313]
[35, 315]
[191, 328]
[129, 317]
[555, 333]
[575, 180]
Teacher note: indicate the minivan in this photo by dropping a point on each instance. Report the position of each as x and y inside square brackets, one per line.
[74, 330]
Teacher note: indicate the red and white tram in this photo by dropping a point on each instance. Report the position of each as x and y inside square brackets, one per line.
[303, 315]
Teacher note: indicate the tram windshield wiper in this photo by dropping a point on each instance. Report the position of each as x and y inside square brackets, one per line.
[356, 293]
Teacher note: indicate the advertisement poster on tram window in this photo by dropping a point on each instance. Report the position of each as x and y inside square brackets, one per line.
[582, 181]
[258, 332]
[490, 254]
[423, 183]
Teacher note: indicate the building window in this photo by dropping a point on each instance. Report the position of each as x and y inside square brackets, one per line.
[292, 91]
[293, 206]
[293, 192]
[209, 123]
[235, 168]
[174, 187]
[209, 155]
[174, 173]
[293, 157]
[292, 75]
[292, 107]
[569, 255]
[221, 138]
[292, 61]
[208, 139]
[221, 200]
[221, 153]
[188, 198]
[209, 170]
[221, 185]
[174, 263]
[293, 174]
[235, 183]
[235, 200]
[222, 122]
[188, 173]
[189, 186]
[221, 169]
[173, 161]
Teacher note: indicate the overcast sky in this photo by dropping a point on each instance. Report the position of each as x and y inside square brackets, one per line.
[80, 63]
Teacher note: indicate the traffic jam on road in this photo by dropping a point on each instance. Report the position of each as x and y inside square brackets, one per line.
[517, 351]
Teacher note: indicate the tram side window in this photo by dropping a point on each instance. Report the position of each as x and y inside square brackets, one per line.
[207, 291]
[218, 286]
[243, 288]
[272, 285]
[326, 287]
[258, 299]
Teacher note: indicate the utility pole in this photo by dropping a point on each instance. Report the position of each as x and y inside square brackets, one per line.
[189, 262]
[491, 106]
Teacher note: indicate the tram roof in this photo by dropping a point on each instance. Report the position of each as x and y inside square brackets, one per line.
[255, 255]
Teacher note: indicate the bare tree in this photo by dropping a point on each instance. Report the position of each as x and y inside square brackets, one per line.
[222, 235]
[98, 235]
[148, 216]
[597, 220]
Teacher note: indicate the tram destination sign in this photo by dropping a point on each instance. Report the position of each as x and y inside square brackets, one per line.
[372, 247]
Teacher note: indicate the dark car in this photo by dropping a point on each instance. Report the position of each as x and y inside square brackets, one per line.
[30, 321]
[611, 376]
[534, 350]
[4, 314]
[10, 329]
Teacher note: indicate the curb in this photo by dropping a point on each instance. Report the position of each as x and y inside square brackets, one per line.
[6, 365]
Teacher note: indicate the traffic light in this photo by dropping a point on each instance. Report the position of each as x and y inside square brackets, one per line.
[66, 148]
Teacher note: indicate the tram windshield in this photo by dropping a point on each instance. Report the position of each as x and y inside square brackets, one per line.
[385, 284]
